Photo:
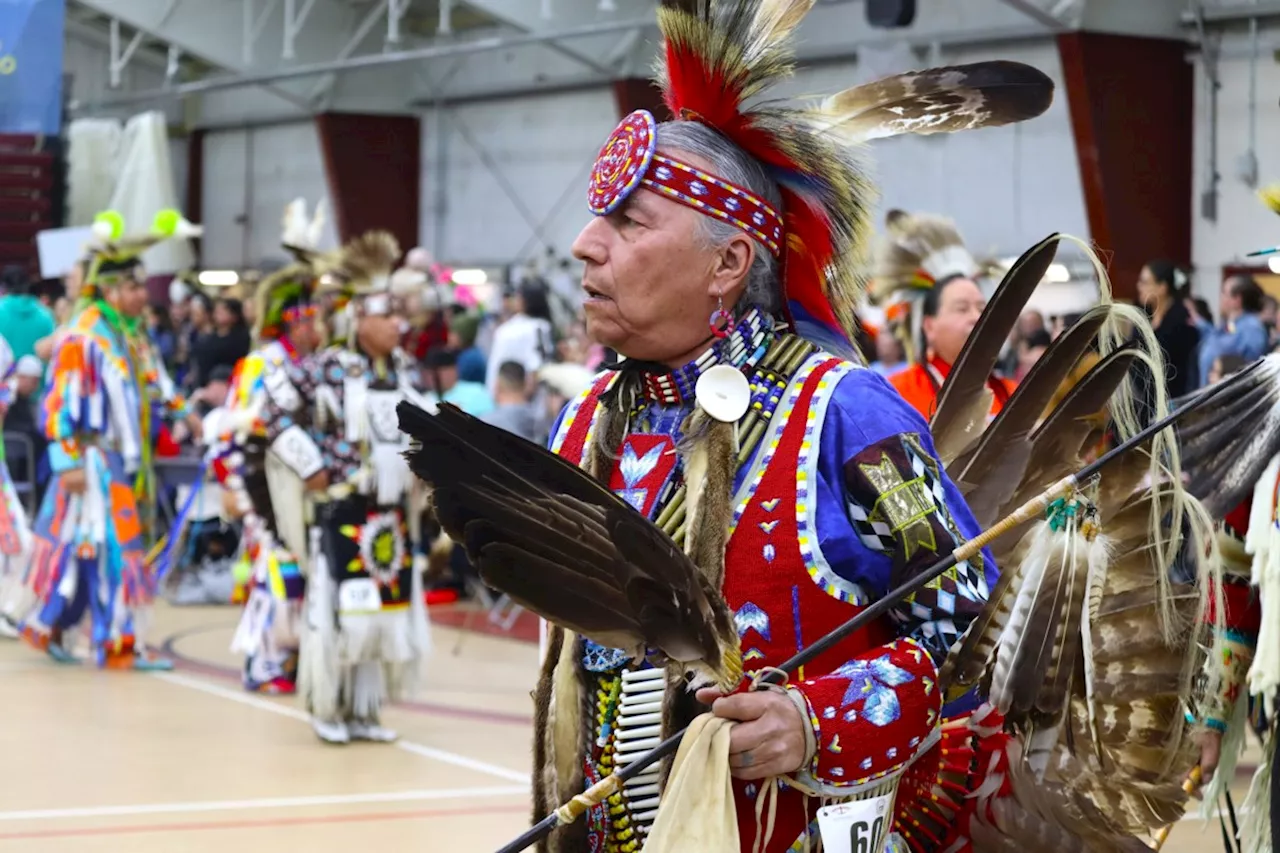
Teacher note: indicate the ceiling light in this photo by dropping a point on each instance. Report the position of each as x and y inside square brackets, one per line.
[218, 278]
[1057, 274]
[470, 278]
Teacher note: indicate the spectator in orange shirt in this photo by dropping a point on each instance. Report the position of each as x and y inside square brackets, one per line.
[950, 311]
[927, 279]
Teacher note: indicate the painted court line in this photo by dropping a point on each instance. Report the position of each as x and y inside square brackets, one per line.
[313, 820]
[264, 803]
[258, 702]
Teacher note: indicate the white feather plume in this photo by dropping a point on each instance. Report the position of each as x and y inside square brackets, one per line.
[300, 230]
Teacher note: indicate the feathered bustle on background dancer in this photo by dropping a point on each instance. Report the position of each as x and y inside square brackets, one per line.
[366, 632]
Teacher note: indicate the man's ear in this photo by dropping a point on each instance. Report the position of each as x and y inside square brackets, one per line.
[733, 262]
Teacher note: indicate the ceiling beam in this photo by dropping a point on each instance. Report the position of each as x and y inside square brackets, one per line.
[528, 15]
[295, 72]
[1035, 13]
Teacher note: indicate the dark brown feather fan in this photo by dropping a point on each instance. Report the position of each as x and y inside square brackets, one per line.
[1222, 460]
[940, 100]
[565, 547]
[1055, 452]
[965, 400]
[999, 459]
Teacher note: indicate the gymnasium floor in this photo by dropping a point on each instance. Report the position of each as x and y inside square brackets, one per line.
[186, 762]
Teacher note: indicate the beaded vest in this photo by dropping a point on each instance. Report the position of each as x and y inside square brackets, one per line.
[776, 579]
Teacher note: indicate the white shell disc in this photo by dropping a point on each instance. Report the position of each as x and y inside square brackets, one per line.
[724, 393]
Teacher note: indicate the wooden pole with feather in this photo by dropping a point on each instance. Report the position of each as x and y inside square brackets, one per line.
[471, 519]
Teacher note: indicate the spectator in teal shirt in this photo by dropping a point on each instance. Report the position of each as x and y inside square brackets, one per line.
[463, 391]
[24, 319]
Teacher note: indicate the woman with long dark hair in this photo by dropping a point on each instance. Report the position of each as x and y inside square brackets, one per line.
[227, 344]
[1162, 290]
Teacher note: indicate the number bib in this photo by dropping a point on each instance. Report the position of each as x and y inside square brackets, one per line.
[859, 826]
[359, 595]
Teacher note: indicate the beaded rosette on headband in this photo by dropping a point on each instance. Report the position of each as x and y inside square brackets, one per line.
[730, 51]
[630, 160]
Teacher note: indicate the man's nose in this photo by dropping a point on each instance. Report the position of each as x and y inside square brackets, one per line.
[589, 246]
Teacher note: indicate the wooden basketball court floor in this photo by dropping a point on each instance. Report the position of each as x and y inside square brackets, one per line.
[187, 761]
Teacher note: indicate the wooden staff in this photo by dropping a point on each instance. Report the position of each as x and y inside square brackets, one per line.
[611, 784]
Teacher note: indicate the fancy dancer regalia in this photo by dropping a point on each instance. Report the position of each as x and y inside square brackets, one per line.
[106, 395]
[799, 486]
[15, 529]
[1234, 467]
[366, 633]
[287, 331]
[772, 506]
[925, 278]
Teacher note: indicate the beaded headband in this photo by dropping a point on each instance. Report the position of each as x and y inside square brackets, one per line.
[629, 159]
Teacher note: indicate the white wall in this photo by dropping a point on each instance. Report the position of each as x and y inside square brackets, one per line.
[1006, 187]
[1243, 223]
[539, 153]
[491, 164]
[249, 177]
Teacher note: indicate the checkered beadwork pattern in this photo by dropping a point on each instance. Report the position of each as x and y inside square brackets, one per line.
[629, 159]
[876, 481]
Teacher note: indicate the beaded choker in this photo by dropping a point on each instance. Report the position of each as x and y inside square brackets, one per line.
[743, 347]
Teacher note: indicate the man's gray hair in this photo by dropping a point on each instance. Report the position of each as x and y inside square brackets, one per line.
[730, 163]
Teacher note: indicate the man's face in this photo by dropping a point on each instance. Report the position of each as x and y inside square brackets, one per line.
[74, 282]
[1228, 301]
[649, 275]
[215, 393]
[133, 297]
[1030, 322]
[1269, 310]
[448, 378]
[28, 385]
[304, 334]
[379, 334]
[888, 348]
[959, 308]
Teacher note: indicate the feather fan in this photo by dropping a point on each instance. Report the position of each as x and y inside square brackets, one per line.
[965, 400]
[565, 547]
[1000, 457]
[1222, 461]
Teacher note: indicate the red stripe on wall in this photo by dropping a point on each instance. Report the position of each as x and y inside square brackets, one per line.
[194, 207]
[1134, 146]
[637, 93]
[374, 169]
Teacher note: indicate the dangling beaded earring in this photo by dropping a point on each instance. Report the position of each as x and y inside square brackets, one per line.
[721, 320]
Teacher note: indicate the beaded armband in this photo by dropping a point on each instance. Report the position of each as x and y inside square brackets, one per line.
[1225, 680]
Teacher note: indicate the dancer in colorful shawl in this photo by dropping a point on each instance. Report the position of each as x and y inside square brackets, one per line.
[107, 391]
[15, 529]
[288, 331]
